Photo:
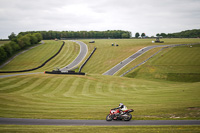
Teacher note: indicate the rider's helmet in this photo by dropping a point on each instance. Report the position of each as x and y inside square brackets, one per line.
[121, 104]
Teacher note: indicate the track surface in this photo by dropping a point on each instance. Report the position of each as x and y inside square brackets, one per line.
[4, 76]
[79, 58]
[20, 121]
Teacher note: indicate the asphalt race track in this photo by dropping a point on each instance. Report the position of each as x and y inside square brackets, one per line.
[79, 58]
[20, 121]
[4, 76]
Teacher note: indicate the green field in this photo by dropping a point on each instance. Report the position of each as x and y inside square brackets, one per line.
[83, 97]
[92, 96]
[175, 64]
[104, 58]
[108, 56]
[38, 55]
[99, 129]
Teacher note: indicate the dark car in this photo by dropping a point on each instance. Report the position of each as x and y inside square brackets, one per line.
[92, 42]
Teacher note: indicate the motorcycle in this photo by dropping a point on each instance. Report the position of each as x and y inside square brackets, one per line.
[119, 115]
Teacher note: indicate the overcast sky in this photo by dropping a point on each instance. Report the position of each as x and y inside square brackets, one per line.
[148, 16]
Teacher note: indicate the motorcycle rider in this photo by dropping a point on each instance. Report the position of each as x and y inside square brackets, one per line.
[121, 108]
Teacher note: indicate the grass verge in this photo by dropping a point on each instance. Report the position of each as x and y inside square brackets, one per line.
[99, 129]
[175, 64]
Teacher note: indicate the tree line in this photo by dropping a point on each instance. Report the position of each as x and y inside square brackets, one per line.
[195, 33]
[18, 43]
[81, 34]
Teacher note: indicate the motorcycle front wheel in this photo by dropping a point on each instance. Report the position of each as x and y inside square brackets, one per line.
[108, 118]
[128, 118]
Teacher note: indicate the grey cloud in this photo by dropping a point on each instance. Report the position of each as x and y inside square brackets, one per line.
[149, 16]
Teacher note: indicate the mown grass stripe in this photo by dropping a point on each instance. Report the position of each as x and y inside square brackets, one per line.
[65, 87]
[39, 93]
[50, 86]
[86, 91]
[72, 89]
[59, 87]
[99, 89]
[7, 81]
[35, 93]
[18, 86]
[37, 85]
[22, 103]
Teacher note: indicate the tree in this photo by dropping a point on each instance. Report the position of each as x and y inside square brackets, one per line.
[39, 36]
[33, 39]
[3, 55]
[163, 35]
[18, 42]
[24, 41]
[14, 46]
[137, 35]
[143, 35]
[125, 35]
[8, 49]
[12, 36]
[157, 34]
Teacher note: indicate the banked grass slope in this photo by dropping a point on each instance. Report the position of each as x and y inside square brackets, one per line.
[174, 64]
[108, 56]
[92, 96]
[38, 55]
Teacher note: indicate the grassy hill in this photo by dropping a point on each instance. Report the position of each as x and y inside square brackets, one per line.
[108, 56]
[38, 55]
[93, 95]
[176, 64]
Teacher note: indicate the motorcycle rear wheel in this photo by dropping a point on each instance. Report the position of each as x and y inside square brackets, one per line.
[108, 118]
[128, 118]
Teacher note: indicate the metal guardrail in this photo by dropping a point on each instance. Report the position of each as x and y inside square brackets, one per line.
[87, 59]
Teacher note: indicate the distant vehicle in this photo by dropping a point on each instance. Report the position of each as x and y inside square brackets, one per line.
[158, 40]
[92, 42]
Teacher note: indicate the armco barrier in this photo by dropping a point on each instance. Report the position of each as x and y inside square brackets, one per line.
[87, 60]
[38, 66]
[60, 72]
